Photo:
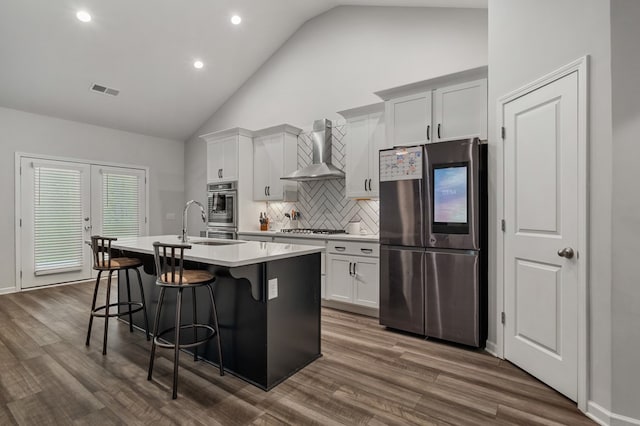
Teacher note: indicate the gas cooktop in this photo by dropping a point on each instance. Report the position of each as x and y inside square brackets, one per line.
[313, 231]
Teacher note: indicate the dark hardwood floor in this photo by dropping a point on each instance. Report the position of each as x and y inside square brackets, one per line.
[367, 375]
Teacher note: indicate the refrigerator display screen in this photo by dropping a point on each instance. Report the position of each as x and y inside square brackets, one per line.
[450, 198]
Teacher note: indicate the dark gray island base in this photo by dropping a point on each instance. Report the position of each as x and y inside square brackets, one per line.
[266, 336]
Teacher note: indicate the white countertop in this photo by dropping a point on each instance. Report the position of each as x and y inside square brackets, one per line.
[373, 238]
[231, 255]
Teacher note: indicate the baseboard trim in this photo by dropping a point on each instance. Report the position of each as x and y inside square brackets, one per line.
[7, 290]
[602, 416]
[356, 309]
[492, 348]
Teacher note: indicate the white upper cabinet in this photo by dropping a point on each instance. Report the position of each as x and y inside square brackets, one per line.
[460, 111]
[365, 137]
[409, 119]
[275, 153]
[222, 160]
[444, 108]
[223, 154]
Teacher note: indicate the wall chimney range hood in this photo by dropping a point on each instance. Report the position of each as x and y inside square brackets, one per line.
[321, 167]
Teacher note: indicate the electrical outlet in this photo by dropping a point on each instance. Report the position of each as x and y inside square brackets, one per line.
[273, 288]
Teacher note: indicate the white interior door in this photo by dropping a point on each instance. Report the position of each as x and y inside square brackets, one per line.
[55, 217]
[118, 201]
[542, 229]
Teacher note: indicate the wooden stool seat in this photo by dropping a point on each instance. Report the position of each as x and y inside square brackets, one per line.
[170, 274]
[190, 277]
[104, 262]
[118, 263]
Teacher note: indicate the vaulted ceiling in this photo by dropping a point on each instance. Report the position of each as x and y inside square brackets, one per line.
[146, 50]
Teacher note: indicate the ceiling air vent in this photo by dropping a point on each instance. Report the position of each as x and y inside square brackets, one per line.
[104, 90]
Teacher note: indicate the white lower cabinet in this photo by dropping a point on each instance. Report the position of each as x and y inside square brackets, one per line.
[340, 280]
[366, 282]
[353, 273]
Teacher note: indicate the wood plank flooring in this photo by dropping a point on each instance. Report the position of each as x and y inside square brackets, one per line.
[368, 375]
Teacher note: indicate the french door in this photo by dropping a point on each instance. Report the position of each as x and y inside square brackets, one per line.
[62, 204]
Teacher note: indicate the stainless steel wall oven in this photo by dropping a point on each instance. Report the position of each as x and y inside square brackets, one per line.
[222, 210]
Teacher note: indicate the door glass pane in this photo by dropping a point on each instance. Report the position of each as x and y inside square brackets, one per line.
[120, 205]
[57, 220]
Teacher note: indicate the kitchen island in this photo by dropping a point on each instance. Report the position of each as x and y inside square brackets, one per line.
[267, 296]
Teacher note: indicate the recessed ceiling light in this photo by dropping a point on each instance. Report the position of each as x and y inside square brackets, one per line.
[235, 19]
[83, 16]
[198, 64]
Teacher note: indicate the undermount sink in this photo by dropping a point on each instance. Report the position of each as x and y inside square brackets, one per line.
[215, 243]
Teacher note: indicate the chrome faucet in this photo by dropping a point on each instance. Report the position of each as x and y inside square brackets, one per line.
[184, 217]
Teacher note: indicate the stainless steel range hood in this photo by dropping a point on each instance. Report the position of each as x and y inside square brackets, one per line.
[321, 167]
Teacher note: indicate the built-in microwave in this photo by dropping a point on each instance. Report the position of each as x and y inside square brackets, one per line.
[222, 210]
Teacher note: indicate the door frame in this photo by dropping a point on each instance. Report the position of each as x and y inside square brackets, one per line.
[18, 200]
[579, 66]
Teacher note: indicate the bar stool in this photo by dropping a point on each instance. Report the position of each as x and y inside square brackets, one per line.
[104, 262]
[171, 274]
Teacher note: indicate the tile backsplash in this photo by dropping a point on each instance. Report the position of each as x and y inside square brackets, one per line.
[323, 203]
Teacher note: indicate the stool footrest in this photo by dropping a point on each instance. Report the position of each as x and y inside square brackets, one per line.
[165, 344]
[139, 305]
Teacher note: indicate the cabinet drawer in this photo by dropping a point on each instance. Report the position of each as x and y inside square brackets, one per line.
[354, 248]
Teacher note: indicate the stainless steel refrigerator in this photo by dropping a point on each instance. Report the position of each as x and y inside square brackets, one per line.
[433, 217]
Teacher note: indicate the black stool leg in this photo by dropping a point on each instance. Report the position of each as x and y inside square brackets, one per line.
[176, 352]
[126, 271]
[106, 315]
[156, 323]
[194, 321]
[93, 306]
[144, 304]
[217, 327]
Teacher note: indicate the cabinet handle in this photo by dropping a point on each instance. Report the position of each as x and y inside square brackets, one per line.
[269, 191]
[368, 251]
[439, 131]
[341, 248]
[354, 269]
[350, 273]
[369, 184]
[265, 191]
[365, 184]
[428, 132]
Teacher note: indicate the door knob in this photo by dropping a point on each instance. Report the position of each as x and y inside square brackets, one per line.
[566, 252]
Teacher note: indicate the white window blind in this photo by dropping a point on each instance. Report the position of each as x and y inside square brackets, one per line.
[120, 205]
[57, 220]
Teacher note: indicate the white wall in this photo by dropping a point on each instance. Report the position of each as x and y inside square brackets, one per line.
[528, 39]
[337, 60]
[625, 72]
[38, 134]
